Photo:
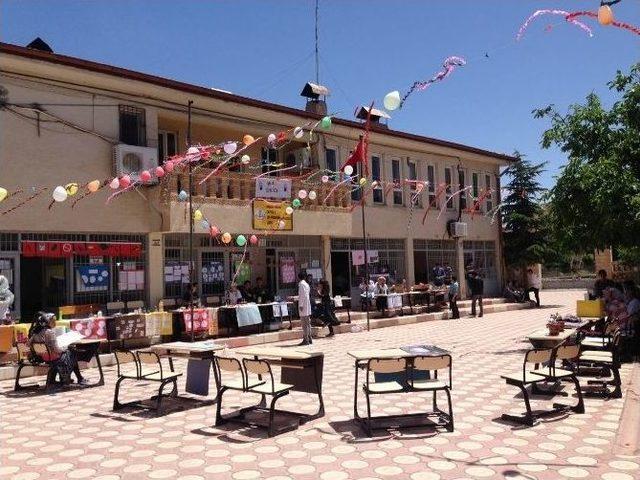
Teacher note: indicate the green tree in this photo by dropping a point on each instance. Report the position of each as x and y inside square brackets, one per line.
[524, 235]
[596, 200]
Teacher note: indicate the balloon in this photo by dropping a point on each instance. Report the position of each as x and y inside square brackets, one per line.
[230, 148]
[145, 176]
[193, 150]
[3, 193]
[71, 188]
[125, 181]
[312, 195]
[197, 215]
[253, 240]
[363, 181]
[296, 203]
[419, 187]
[204, 224]
[214, 231]
[271, 138]
[241, 240]
[281, 224]
[325, 123]
[605, 15]
[325, 178]
[226, 237]
[245, 159]
[168, 166]
[159, 172]
[302, 194]
[59, 194]
[114, 184]
[374, 184]
[298, 132]
[392, 100]
[182, 196]
[248, 139]
[288, 210]
[348, 169]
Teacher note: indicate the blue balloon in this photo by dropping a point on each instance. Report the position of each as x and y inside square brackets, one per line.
[182, 196]
[204, 224]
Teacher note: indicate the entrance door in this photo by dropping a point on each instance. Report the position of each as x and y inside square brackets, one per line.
[42, 285]
[272, 271]
[9, 267]
[340, 273]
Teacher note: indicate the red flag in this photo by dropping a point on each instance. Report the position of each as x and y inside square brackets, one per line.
[357, 156]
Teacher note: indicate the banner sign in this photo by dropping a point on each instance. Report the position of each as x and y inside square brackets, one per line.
[267, 215]
[92, 278]
[267, 187]
[32, 248]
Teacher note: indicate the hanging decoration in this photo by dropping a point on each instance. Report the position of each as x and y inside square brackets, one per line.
[625, 26]
[449, 65]
[563, 13]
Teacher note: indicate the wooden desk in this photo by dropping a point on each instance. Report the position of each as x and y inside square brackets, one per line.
[300, 368]
[542, 339]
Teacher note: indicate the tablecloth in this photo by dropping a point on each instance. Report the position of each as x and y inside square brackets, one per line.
[247, 315]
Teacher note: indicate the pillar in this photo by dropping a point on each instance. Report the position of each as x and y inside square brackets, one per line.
[326, 259]
[460, 271]
[410, 272]
[155, 268]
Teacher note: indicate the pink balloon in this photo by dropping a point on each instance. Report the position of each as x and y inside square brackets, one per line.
[253, 240]
[145, 176]
[125, 181]
[214, 231]
[168, 166]
[159, 172]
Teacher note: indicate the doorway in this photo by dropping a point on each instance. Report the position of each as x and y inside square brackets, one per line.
[340, 273]
[43, 285]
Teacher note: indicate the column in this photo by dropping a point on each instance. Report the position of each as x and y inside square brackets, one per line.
[155, 268]
[461, 272]
[326, 259]
[409, 261]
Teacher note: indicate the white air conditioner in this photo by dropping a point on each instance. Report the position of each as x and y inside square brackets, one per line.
[131, 160]
[458, 229]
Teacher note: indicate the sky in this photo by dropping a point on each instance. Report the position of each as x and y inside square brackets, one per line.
[264, 49]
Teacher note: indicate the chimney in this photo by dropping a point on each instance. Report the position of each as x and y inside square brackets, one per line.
[39, 44]
[313, 93]
[376, 116]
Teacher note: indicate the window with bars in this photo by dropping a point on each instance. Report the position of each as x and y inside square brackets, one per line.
[397, 182]
[431, 178]
[376, 174]
[429, 253]
[331, 160]
[167, 144]
[133, 127]
[463, 195]
[475, 189]
[481, 255]
[356, 192]
[448, 180]
[489, 195]
[9, 242]
[268, 157]
[413, 175]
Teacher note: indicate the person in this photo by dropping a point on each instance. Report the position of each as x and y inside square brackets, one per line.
[190, 296]
[600, 285]
[6, 299]
[247, 292]
[438, 275]
[476, 286]
[448, 273]
[304, 309]
[381, 288]
[261, 293]
[327, 310]
[454, 292]
[631, 312]
[366, 292]
[41, 331]
[234, 296]
[512, 293]
[533, 285]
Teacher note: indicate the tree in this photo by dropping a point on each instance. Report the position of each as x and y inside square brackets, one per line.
[596, 200]
[524, 235]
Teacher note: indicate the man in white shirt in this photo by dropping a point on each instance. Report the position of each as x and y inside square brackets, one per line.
[304, 309]
[533, 285]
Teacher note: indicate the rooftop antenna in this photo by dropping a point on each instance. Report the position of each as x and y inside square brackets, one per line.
[317, 54]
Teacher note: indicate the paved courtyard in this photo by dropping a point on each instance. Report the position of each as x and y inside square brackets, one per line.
[75, 434]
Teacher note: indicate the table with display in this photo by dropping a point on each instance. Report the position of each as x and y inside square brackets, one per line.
[247, 318]
[361, 359]
[340, 304]
[203, 321]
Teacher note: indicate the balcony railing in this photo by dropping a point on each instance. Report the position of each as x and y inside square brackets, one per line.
[239, 188]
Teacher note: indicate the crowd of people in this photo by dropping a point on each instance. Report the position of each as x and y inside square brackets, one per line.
[621, 301]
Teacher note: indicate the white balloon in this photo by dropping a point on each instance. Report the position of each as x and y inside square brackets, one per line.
[325, 178]
[245, 159]
[392, 100]
[230, 147]
[298, 132]
[348, 169]
[114, 184]
[193, 150]
[289, 210]
[60, 194]
[312, 195]
[271, 138]
[302, 194]
[281, 224]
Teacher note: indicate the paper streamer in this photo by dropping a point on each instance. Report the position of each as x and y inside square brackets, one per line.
[565, 14]
[25, 201]
[449, 65]
[454, 194]
[571, 17]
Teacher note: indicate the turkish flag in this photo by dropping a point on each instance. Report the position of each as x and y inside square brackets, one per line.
[357, 156]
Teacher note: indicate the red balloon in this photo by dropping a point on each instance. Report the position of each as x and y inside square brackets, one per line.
[125, 181]
[168, 166]
[145, 176]
[253, 240]
[214, 231]
[159, 172]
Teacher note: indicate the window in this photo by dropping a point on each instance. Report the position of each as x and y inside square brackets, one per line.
[269, 156]
[475, 192]
[489, 196]
[376, 175]
[167, 145]
[330, 159]
[397, 183]
[133, 128]
[356, 193]
[448, 180]
[413, 186]
[463, 195]
[431, 178]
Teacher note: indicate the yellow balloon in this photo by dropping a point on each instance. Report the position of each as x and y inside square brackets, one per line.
[93, 186]
[3, 193]
[71, 188]
[226, 237]
[248, 139]
[363, 181]
[197, 215]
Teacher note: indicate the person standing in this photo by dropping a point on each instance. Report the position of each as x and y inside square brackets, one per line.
[533, 285]
[328, 314]
[476, 285]
[454, 292]
[304, 309]
[6, 299]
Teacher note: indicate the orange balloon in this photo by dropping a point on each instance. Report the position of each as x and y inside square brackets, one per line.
[605, 15]
[93, 186]
[248, 139]
[226, 237]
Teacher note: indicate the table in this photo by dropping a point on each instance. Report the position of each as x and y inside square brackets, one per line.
[362, 357]
[181, 320]
[542, 339]
[300, 368]
[252, 317]
[85, 350]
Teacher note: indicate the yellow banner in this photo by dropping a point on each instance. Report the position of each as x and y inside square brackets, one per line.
[267, 215]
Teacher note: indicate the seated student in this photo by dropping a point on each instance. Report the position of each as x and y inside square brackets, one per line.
[234, 296]
[381, 288]
[629, 316]
[247, 292]
[438, 275]
[600, 285]
[261, 293]
[65, 362]
[512, 293]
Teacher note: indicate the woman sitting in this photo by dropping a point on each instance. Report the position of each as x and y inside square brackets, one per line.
[64, 361]
[381, 289]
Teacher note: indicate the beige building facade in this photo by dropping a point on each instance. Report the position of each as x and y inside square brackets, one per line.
[64, 119]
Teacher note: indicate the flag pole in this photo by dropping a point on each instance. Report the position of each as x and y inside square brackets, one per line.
[191, 269]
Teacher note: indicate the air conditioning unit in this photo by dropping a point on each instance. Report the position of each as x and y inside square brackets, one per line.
[457, 229]
[131, 160]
